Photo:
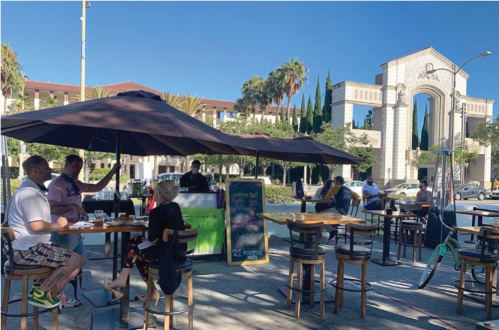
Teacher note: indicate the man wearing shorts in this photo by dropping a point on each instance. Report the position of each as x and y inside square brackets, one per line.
[29, 217]
[65, 201]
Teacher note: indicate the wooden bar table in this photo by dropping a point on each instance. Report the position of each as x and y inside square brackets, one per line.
[309, 218]
[110, 318]
[385, 260]
[480, 214]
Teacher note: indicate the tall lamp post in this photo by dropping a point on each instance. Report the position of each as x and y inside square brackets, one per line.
[452, 142]
[84, 6]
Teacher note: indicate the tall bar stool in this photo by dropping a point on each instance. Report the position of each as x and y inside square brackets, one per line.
[185, 269]
[15, 272]
[306, 251]
[354, 253]
[408, 230]
[484, 257]
[354, 209]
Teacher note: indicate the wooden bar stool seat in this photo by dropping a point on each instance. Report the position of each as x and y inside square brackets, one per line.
[185, 269]
[354, 253]
[306, 251]
[485, 257]
[411, 234]
[24, 273]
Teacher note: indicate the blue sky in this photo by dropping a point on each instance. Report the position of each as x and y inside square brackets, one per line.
[210, 49]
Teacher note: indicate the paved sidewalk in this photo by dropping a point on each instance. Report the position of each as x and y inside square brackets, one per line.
[246, 297]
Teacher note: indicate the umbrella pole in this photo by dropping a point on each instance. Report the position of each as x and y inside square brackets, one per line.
[117, 205]
[256, 167]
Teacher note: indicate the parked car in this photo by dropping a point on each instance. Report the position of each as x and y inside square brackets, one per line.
[46, 183]
[355, 186]
[469, 191]
[494, 194]
[407, 189]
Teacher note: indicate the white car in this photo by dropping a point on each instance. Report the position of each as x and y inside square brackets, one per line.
[266, 179]
[46, 183]
[494, 194]
[408, 189]
[355, 186]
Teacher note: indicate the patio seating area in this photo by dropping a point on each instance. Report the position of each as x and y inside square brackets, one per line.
[247, 297]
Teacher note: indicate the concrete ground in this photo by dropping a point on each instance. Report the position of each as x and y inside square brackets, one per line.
[246, 297]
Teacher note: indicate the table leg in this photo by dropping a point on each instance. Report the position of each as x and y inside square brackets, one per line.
[386, 261]
[115, 255]
[124, 302]
[303, 207]
[107, 245]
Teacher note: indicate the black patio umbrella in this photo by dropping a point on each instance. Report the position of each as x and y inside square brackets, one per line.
[135, 123]
[300, 149]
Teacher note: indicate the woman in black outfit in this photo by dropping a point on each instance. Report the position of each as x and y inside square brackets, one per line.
[166, 214]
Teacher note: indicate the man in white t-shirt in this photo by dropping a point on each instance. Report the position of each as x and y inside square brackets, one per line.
[371, 194]
[28, 214]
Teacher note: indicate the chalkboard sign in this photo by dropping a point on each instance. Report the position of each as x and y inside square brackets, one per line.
[247, 241]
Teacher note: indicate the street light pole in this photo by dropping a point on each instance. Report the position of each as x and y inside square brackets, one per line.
[84, 6]
[452, 111]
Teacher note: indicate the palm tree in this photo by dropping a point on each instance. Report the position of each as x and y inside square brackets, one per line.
[294, 78]
[50, 102]
[242, 106]
[20, 102]
[265, 96]
[172, 99]
[93, 93]
[276, 86]
[251, 90]
[191, 105]
[12, 77]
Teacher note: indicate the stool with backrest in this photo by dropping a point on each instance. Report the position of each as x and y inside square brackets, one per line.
[485, 257]
[354, 209]
[15, 272]
[184, 268]
[410, 234]
[305, 250]
[354, 253]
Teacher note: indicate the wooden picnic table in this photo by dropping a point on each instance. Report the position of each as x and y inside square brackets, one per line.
[385, 260]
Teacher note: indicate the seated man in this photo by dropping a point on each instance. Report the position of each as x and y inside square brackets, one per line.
[341, 197]
[194, 180]
[28, 215]
[371, 194]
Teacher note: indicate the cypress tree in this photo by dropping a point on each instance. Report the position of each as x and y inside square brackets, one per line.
[310, 116]
[415, 133]
[328, 99]
[318, 108]
[283, 116]
[424, 131]
[295, 120]
[303, 116]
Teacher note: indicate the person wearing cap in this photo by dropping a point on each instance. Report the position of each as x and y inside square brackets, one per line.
[194, 180]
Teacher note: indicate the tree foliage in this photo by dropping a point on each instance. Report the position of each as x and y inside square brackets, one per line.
[310, 116]
[295, 120]
[424, 131]
[12, 79]
[415, 133]
[328, 99]
[304, 117]
[487, 133]
[294, 78]
[318, 108]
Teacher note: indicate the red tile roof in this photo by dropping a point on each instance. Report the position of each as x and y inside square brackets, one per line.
[126, 86]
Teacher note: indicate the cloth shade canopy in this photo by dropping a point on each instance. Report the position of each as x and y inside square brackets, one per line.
[146, 125]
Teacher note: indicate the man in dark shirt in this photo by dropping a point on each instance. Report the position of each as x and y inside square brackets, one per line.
[194, 180]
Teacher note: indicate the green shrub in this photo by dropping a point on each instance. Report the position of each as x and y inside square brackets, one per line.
[272, 192]
[276, 181]
[124, 178]
[401, 196]
[14, 184]
[98, 174]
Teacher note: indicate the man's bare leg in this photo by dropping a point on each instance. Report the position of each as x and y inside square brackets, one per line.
[62, 275]
[60, 286]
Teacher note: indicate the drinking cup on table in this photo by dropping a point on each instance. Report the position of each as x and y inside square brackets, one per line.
[99, 218]
[496, 223]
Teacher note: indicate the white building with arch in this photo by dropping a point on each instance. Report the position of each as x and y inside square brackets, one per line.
[428, 72]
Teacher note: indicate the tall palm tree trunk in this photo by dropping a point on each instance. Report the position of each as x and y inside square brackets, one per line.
[289, 106]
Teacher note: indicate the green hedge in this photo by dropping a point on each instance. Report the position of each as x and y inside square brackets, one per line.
[14, 184]
[98, 174]
[401, 196]
[272, 192]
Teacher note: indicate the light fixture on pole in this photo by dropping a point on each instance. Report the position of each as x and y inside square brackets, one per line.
[453, 109]
[84, 6]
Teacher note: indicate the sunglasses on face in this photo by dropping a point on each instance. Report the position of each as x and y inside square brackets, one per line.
[421, 186]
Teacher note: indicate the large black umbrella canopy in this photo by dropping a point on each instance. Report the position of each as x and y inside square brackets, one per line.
[300, 149]
[146, 125]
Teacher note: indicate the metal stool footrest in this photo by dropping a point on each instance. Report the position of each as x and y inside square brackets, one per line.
[456, 285]
[44, 310]
[152, 311]
[369, 286]
[306, 291]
